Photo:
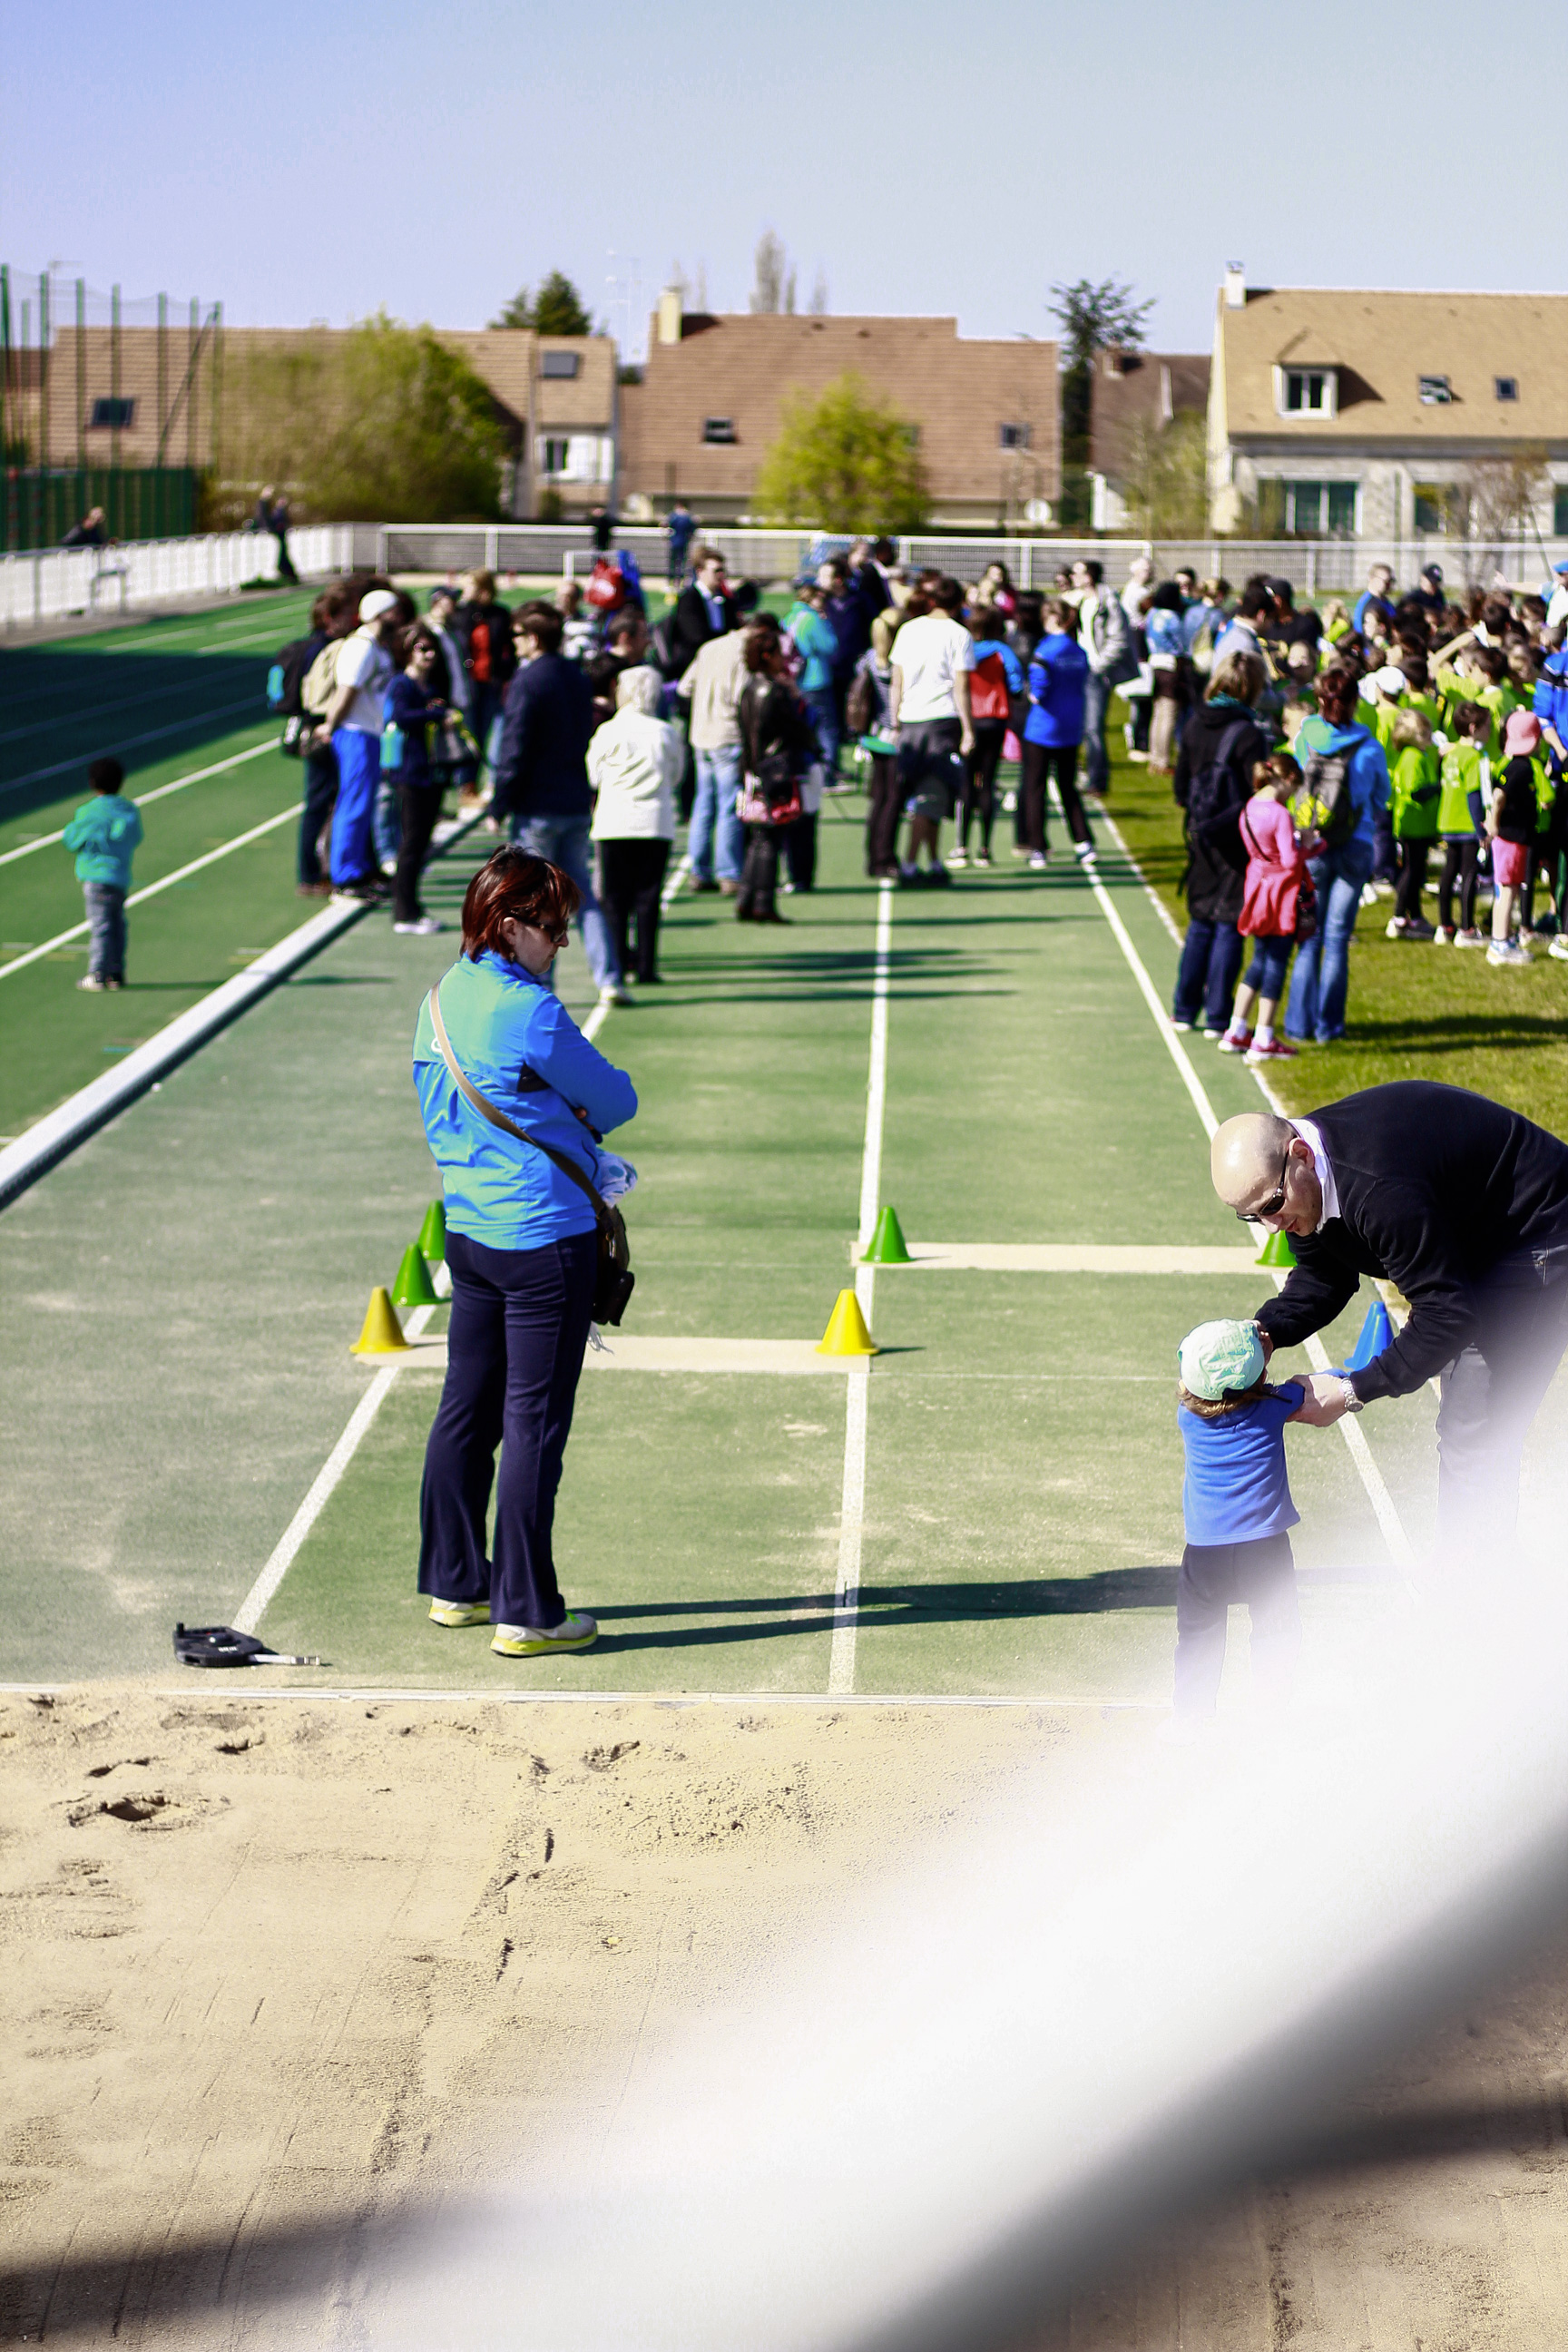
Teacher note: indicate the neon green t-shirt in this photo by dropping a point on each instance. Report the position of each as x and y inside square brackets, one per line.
[1415, 781]
[1466, 769]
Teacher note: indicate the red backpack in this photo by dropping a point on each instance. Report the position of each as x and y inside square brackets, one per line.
[606, 585]
[988, 692]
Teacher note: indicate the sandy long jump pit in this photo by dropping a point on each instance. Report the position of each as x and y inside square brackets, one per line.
[280, 1971]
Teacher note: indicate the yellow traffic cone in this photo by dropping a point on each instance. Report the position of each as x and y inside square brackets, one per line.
[847, 1334]
[383, 1332]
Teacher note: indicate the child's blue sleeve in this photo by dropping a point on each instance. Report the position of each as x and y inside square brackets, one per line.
[1478, 814]
[1014, 668]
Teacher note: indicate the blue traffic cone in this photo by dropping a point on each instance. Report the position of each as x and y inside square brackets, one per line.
[1377, 1334]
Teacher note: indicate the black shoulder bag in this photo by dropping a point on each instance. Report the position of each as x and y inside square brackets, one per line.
[615, 1281]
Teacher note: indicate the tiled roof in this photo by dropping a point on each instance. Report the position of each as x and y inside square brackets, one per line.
[1137, 388]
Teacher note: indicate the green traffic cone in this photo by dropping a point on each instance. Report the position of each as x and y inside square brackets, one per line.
[414, 1286]
[1276, 1250]
[888, 1244]
[433, 1233]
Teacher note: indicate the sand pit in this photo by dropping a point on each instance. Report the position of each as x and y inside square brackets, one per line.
[275, 1968]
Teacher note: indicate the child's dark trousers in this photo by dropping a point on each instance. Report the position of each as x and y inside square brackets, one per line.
[1262, 1573]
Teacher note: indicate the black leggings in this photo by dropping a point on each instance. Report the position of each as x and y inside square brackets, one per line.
[418, 806]
[760, 874]
[1461, 864]
[1260, 1572]
[1412, 855]
[631, 875]
[1040, 762]
[980, 782]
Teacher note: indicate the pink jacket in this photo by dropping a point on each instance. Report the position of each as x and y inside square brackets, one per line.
[1275, 870]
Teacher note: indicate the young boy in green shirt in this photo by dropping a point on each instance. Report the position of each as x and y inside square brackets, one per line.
[1462, 803]
[104, 833]
[1415, 776]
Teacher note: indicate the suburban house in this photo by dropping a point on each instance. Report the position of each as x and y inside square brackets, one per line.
[1395, 416]
[1133, 397]
[713, 389]
[136, 396]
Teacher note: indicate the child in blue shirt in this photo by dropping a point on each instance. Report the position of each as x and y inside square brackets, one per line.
[104, 832]
[1237, 1505]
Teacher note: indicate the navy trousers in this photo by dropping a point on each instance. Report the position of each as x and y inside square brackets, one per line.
[1262, 1574]
[514, 1352]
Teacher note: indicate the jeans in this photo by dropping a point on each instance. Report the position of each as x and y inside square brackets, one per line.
[1096, 704]
[823, 704]
[716, 843]
[105, 930]
[485, 701]
[1207, 975]
[1262, 1573]
[1320, 982]
[514, 1354]
[320, 792]
[387, 826]
[631, 875]
[563, 842]
[1270, 961]
[359, 777]
[1490, 1397]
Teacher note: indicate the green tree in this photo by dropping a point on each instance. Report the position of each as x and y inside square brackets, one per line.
[382, 424]
[1165, 476]
[847, 460]
[555, 310]
[1093, 319]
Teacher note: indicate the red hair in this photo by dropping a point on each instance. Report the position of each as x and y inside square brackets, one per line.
[518, 888]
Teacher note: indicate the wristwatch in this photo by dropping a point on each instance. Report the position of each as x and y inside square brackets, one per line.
[1352, 1402]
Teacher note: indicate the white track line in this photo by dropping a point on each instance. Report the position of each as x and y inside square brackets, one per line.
[1372, 1478]
[253, 1608]
[137, 897]
[852, 1501]
[132, 742]
[159, 792]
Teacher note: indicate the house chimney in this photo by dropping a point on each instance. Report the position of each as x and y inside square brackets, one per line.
[1236, 286]
[669, 315]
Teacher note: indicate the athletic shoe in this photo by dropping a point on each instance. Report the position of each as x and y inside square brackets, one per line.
[1443, 937]
[312, 891]
[958, 860]
[1019, 850]
[93, 982]
[425, 927]
[1416, 928]
[982, 857]
[1236, 1039]
[357, 894]
[1085, 852]
[389, 866]
[729, 889]
[460, 1613]
[113, 984]
[616, 993]
[1009, 804]
[938, 877]
[577, 1631]
[909, 877]
[1505, 952]
[1273, 1049]
[702, 889]
[1181, 1025]
[1037, 861]
[1368, 896]
[1471, 938]
[1559, 949]
[1212, 1033]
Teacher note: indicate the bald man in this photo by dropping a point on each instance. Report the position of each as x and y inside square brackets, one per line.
[1463, 1205]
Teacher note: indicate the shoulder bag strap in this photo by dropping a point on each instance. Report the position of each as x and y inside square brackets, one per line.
[487, 1110]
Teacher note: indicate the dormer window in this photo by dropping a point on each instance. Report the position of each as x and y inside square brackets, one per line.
[1434, 391]
[1306, 391]
[1506, 386]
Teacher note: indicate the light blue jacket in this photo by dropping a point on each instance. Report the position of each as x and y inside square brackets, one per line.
[103, 833]
[514, 1041]
[1366, 768]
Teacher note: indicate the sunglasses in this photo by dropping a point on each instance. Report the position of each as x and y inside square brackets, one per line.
[1276, 1201]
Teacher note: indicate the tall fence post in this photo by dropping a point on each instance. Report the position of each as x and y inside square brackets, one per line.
[493, 551]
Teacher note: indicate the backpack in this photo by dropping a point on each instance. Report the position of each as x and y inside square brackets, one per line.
[319, 682]
[988, 695]
[863, 704]
[1322, 802]
[606, 585]
[1214, 787]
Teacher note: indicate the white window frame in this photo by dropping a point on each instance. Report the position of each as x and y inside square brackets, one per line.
[1329, 385]
[555, 454]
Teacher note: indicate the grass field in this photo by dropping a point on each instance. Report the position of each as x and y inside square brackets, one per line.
[185, 1287]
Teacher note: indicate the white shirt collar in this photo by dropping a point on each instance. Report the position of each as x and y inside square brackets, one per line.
[1314, 1142]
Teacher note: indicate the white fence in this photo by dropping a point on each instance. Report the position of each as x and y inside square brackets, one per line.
[1314, 567]
[52, 584]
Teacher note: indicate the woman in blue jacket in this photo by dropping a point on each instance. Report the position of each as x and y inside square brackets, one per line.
[1059, 672]
[522, 1248]
[1321, 981]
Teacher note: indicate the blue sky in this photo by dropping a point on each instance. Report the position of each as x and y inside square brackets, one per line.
[299, 162]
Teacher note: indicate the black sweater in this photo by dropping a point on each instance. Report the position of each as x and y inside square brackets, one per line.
[1435, 1186]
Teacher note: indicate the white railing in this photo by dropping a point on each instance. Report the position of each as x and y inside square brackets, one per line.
[52, 584]
[1325, 567]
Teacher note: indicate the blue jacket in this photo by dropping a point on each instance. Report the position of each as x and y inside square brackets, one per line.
[1368, 770]
[103, 833]
[407, 707]
[1550, 702]
[1058, 674]
[515, 1040]
[541, 768]
[816, 643]
[1165, 632]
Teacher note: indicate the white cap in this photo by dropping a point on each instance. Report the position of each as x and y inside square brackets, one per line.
[378, 600]
[1388, 680]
